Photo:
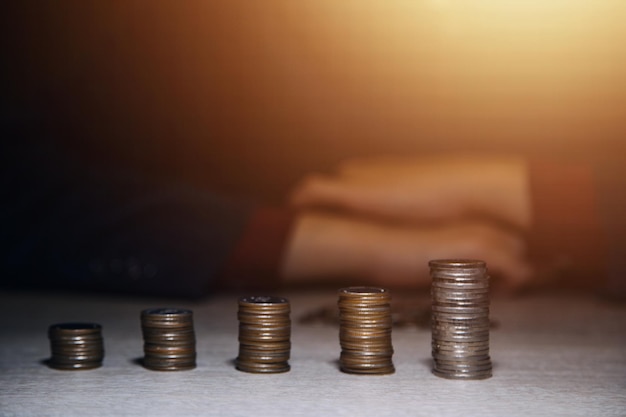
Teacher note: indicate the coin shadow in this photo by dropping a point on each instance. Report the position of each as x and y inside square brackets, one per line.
[45, 362]
[138, 361]
[336, 363]
[232, 362]
[427, 362]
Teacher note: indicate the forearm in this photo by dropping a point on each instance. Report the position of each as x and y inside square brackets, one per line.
[327, 247]
[425, 189]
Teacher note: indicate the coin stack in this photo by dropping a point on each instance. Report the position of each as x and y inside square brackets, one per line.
[169, 339]
[365, 331]
[76, 346]
[460, 319]
[264, 334]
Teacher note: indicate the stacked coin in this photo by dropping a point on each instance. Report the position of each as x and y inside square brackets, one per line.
[76, 346]
[460, 319]
[264, 334]
[169, 339]
[365, 330]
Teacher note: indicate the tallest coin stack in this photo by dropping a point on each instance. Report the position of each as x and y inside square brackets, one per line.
[460, 319]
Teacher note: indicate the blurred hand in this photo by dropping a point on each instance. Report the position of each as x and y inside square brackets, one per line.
[417, 190]
[330, 247]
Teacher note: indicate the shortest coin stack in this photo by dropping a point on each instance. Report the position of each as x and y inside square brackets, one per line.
[169, 339]
[365, 330]
[76, 346]
[264, 334]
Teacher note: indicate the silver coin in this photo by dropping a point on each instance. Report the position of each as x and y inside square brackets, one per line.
[463, 375]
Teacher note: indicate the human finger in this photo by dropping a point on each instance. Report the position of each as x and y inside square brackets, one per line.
[320, 191]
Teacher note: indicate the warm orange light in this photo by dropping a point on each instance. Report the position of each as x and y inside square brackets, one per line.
[544, 68]
[331, 77]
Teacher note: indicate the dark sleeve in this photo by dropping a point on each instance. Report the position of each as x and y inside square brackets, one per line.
[67, 224]
[610, 178]
[255, 262]
[566, 240]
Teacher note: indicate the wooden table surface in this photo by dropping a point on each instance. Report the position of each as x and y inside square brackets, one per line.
[552, 356]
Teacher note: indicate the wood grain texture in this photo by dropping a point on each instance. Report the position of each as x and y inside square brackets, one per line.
[552, 356]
